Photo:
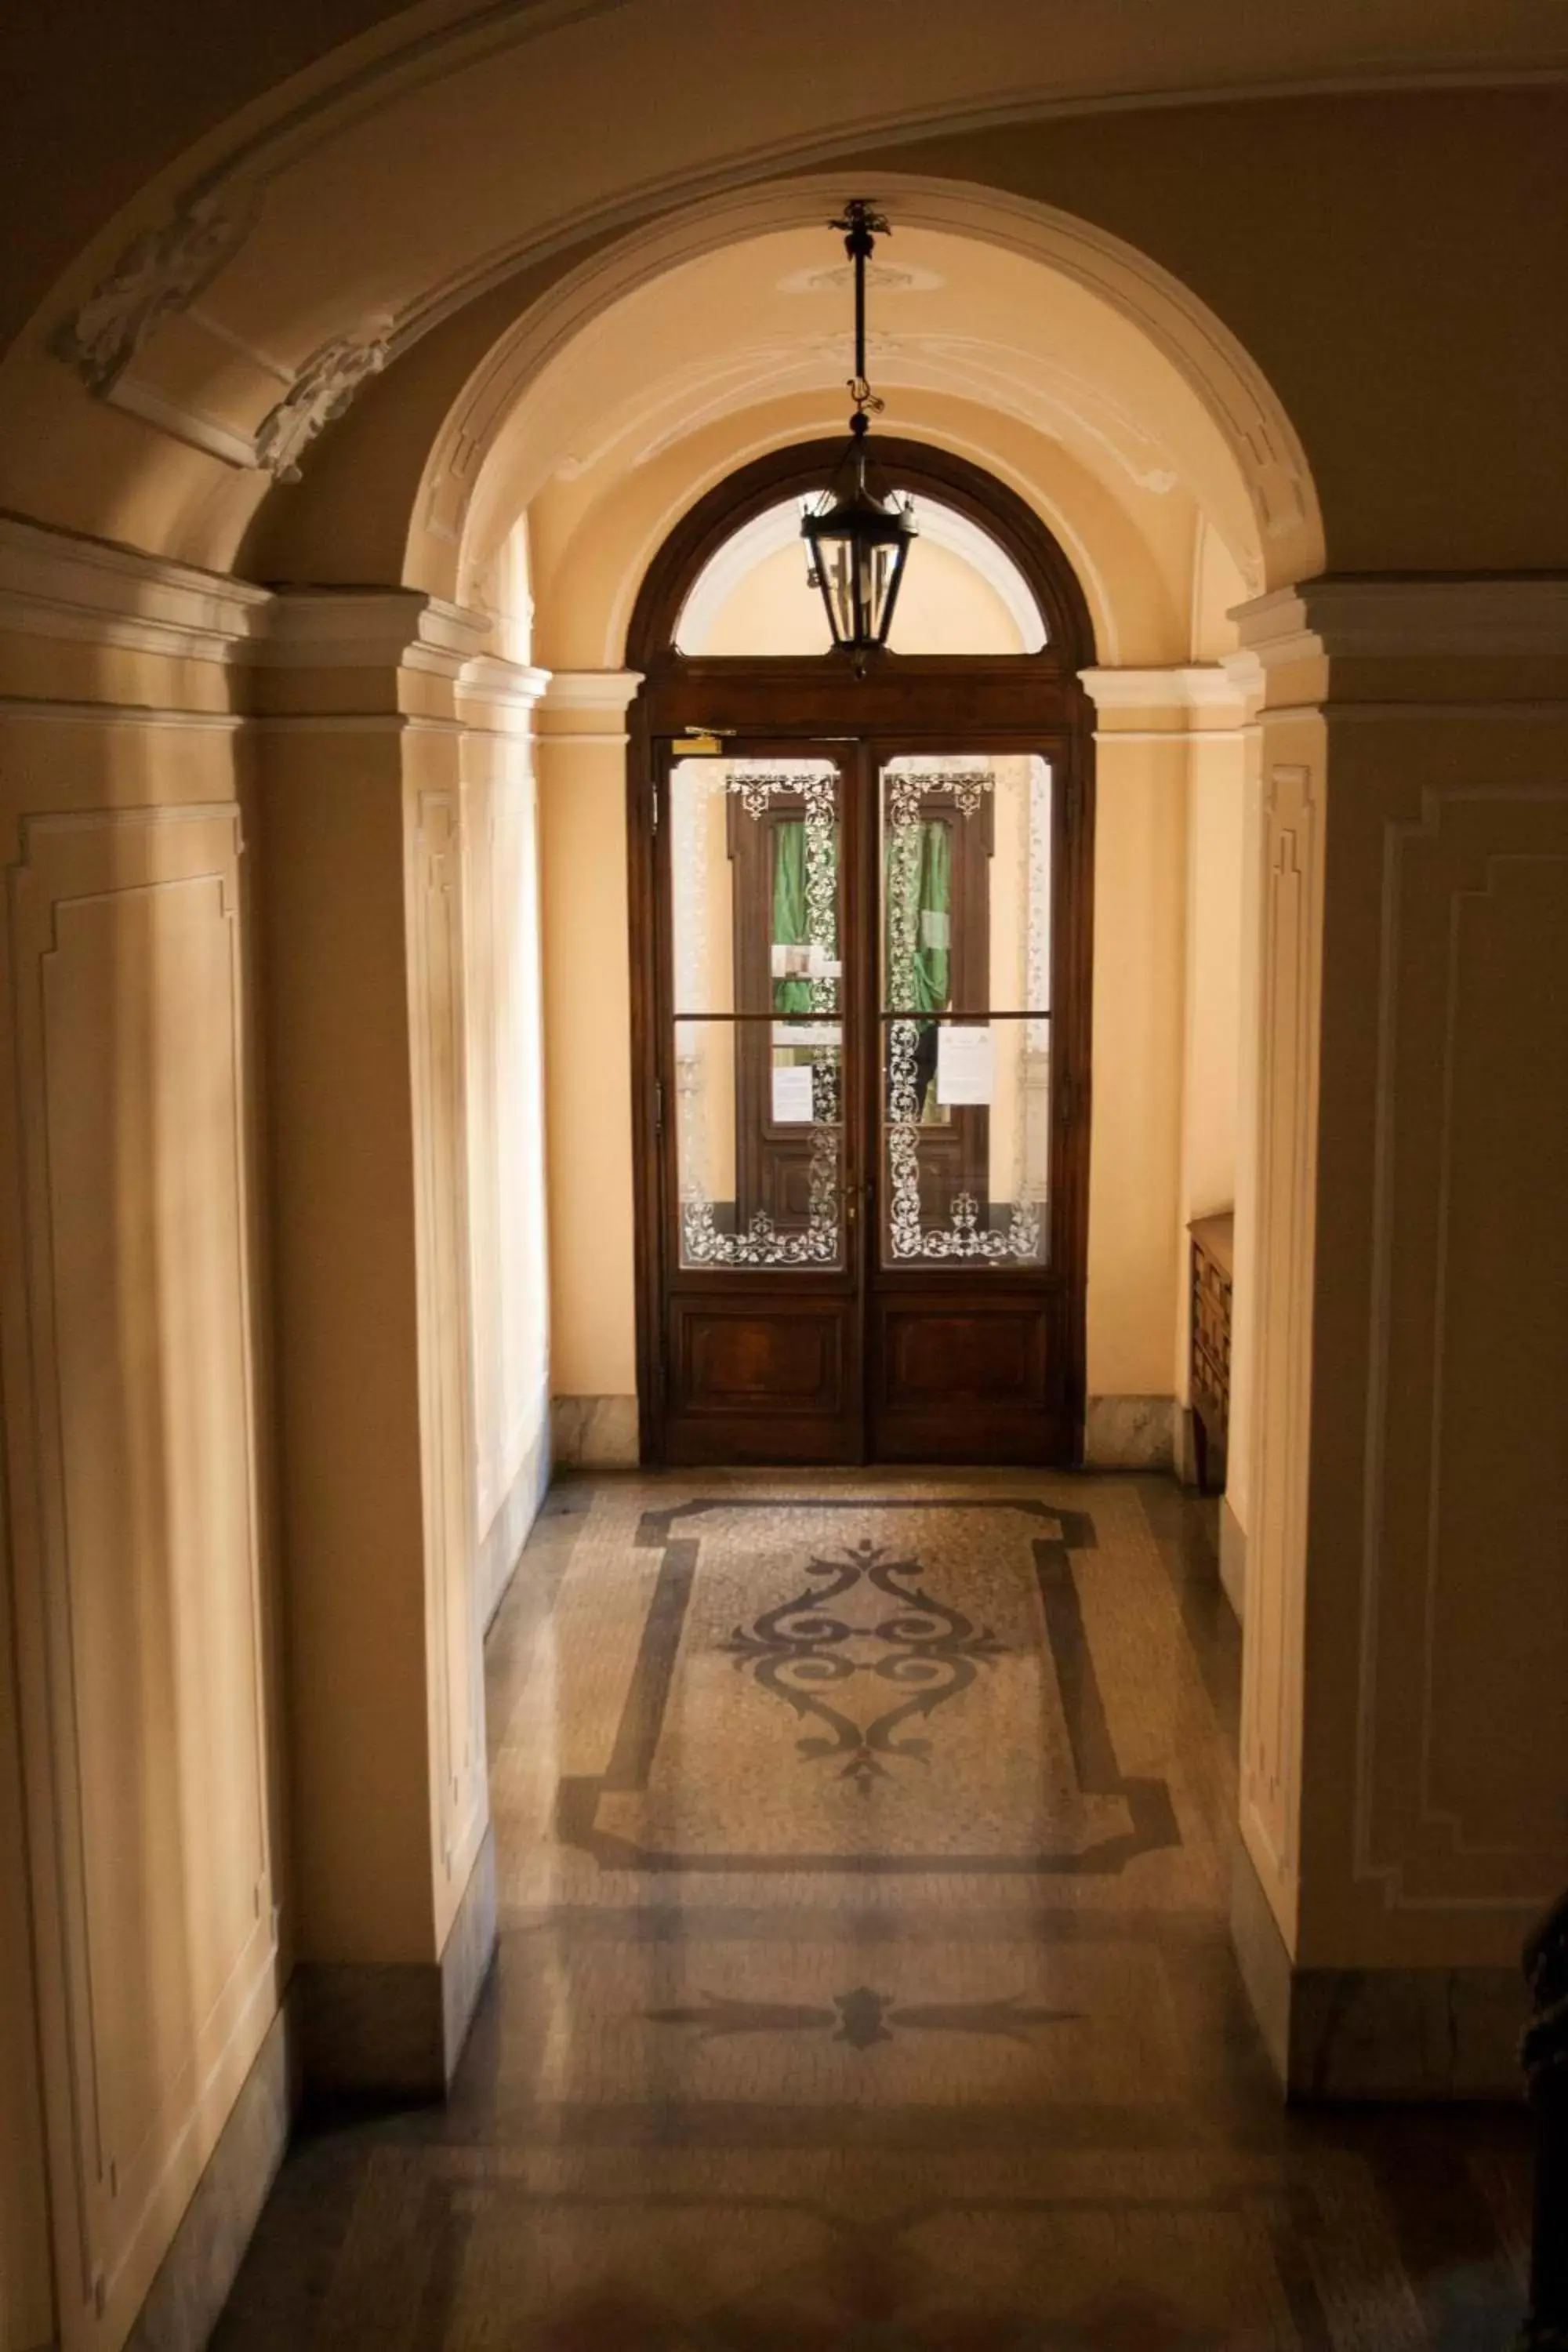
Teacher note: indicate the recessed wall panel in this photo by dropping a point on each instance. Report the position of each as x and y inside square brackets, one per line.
[139, 1559]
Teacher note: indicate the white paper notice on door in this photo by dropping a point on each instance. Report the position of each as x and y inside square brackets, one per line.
[964, 1064]
[791, 1094]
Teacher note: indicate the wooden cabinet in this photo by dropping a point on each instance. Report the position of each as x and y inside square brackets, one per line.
[1209, 1374]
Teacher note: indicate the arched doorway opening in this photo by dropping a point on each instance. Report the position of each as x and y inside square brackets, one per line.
[861, 951]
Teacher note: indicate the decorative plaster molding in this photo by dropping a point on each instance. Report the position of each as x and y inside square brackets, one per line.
[320, 393]
[1207, 687]
[1290, 975]
[1374, 619]
[1425, 1870]
[88, 591]
[192, 425]
[591, 689]
[1183, 737]
[121, 714]
[160, 271]
[508, 685]
[1247, 675]
[358, 722]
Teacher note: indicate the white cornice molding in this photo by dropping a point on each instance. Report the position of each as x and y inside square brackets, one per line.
[1191, 687]
[90, 591]
[1384, 620]
[192, 425]
[38, 712]
[591, 689]
[355, 628]
[505, 684]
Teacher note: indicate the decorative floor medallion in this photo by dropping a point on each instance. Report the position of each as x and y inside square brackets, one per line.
[925, 1653]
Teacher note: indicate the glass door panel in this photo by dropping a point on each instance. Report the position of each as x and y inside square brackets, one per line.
[754, 864]
[966, 883]
[758, 1143]
[964, 966]
[756, 909]
[967, 1141]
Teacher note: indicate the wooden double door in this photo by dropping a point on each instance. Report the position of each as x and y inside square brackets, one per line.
[865, 1059]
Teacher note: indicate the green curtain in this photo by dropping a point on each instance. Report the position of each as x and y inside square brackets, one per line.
[931, 962]
[933, 947]
[931, 958]
[789, 909]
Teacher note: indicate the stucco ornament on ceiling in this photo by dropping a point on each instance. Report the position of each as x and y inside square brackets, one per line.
[160, 272]
[320, 391]
[884, 277]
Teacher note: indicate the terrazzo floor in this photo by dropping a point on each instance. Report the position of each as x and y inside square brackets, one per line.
[864, 1978]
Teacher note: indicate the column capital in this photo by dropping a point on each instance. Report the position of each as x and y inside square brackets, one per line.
[489, 683]
[577, 699]
[367, 629]
[1182, 703]
[1388, 639]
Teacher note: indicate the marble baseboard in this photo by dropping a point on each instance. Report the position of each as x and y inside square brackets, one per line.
[1184, 1444]
[501, 1547]
[1395, 2034]
[1263, 1959]
[595, 1432]
[469, 1957]
[395, 2029]
[1130, 1432]
[1233, 1559]
[195, 2275]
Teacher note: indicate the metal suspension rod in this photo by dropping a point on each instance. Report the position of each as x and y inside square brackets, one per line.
[861, 225]
[861, 250]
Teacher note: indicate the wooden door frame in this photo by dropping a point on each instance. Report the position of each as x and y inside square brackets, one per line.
[944, 698]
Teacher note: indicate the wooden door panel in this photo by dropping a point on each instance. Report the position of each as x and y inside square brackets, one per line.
[759, 1380]
[953, 1380]
[960, 1352]
[755, 1355]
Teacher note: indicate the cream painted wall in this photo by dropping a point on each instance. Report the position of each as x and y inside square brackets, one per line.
[1140, 878]
[1214, 951]
[508, 1232]
[1211, 1045]
[587, 1061]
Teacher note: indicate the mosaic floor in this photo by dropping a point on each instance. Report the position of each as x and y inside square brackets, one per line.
[864, 1981]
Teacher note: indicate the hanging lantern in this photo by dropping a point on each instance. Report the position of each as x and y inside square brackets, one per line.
[858, 533]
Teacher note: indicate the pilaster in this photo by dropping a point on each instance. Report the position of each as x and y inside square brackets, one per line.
[1403, 1743]
[356, 699]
